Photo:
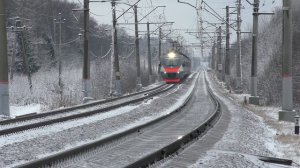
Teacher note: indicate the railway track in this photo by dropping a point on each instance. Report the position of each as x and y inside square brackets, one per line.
[43, 119]
[183, 140]
[158, 130]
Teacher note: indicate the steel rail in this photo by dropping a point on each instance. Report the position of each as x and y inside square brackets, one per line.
[85, 114]
[50, 160]
[77, 107]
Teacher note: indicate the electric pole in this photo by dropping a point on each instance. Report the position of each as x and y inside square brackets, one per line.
[201, 30]
[59, 58]
[239, 46]
[149, 54]
[86, 59]
[60, 22]
[254, 99]
[219, 51]
[54, 39]
[4, 91]
[227, 56]
[159, 42]
[213, 55]
[159, 52]
[137, 50]
[116, 85]
[198, 8]
[287, 113]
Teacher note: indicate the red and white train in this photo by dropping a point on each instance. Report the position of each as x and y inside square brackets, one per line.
[175, 66]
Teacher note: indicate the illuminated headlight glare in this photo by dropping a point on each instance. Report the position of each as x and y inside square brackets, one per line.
[171, 55]
[165, 72]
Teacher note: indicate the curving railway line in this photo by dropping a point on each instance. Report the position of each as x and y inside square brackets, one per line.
[142, 145]
[31, 144]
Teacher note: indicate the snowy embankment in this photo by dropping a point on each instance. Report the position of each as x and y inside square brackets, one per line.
[250, 131]
[16, 110]
[22, 110]
[57, 137]
[286, 144]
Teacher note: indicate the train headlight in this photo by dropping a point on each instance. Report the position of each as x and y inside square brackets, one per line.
[171, 55]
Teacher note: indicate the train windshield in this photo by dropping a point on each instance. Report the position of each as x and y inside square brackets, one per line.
[172, 62]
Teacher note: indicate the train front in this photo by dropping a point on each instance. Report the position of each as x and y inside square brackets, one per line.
[171, 69]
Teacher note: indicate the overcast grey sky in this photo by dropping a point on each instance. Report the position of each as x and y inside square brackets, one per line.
[183, 15]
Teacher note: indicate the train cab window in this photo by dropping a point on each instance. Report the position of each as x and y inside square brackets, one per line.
[172, 62]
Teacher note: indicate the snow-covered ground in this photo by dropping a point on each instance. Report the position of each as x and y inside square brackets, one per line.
[252, 130]
[286, 143]
[57, 137]
[23, 110]
[248, 131]
[16, 110]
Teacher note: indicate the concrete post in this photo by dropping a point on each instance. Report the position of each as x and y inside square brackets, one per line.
[227, 56]
[213, 56]
[4, 92]
[116, 85]
[59, 60]
[54, 38]
[287, 113]
[86, 58]
[149, 54]
[223, 51]
[137, 51]
[159, 53]
[201, 34]
[254, 99]
[219, 51]
[239, 46]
